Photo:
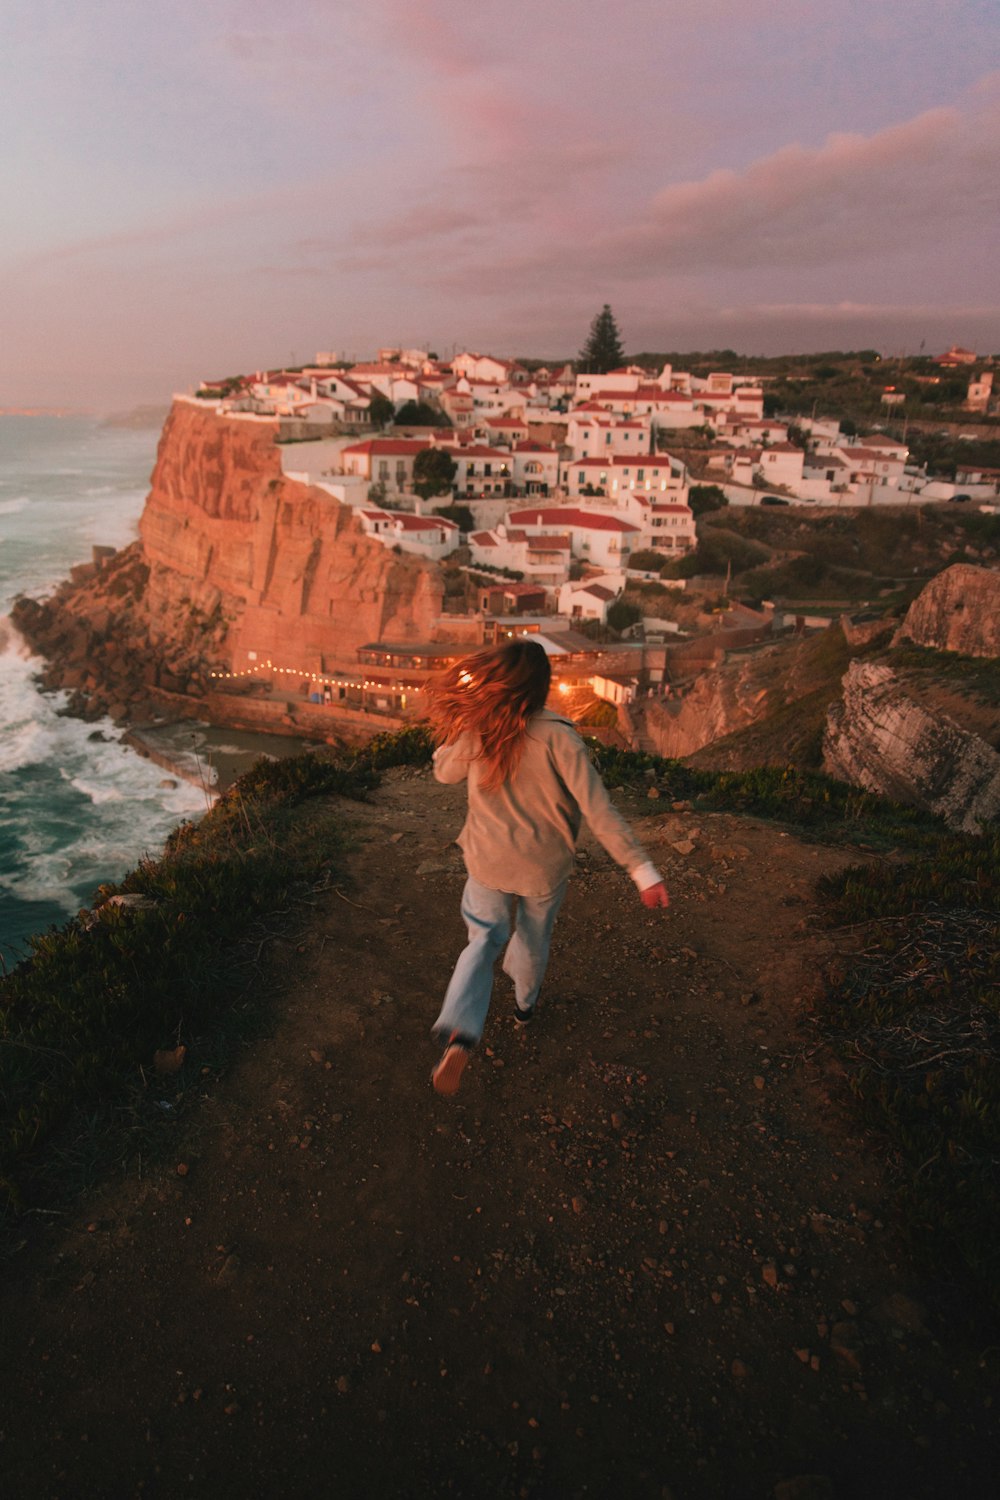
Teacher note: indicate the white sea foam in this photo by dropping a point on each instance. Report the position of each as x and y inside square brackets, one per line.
[77, 809]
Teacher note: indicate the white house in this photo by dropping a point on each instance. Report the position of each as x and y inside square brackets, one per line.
[536, 468]
[668, 527]
[481, 470]
[432, 537]
[780, 464]
[543, 556]
[486, 367]
[593, 435]
[653, 474]
[386, 461]
[738, 431]
[670, 409]
[596, 537]
[586, 601]
[626, 378]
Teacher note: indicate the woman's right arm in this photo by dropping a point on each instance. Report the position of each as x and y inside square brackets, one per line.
[451, 762]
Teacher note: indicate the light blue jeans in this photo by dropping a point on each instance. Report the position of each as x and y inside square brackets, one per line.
[489, 916]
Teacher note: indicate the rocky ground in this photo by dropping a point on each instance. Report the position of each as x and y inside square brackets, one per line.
[647, 1251]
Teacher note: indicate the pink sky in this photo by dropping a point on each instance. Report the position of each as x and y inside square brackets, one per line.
[198, 189]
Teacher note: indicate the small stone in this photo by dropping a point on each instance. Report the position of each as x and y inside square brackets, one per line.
[769, 1274]
[802, 1355]
[845, 1343]
[182, 1169]
[343, 1385]
[579, 1204]
[739, 1370]
[758, 1082]
[903, 1312]
[682, 846]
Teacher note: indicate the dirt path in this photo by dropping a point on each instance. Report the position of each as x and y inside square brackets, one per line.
[641, 1254]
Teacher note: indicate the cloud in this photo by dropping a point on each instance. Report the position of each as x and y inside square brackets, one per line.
[872, 312]
[851, 197]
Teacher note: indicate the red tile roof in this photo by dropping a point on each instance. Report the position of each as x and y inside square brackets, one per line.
[570, 515]
[385, 447]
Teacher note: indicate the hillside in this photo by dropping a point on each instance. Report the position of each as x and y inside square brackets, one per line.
[650, 1249]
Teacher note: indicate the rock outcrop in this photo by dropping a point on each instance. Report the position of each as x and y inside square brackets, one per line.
[958, 611]
[237, 565]
[879, 738]
[748, 689]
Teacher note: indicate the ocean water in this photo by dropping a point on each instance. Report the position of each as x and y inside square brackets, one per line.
[77, 807]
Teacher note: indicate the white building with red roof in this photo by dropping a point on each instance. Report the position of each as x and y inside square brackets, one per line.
[662, 408]
[668, 526]
[586, 601]
[595, 536]
[431, 537]
[386, 461]
[652, 474]
[542, 555]
[592, 434]
[487, 367]
[536, 468]
[481, 470]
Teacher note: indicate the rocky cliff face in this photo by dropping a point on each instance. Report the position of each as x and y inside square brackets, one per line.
[292, 570]
[959, 611]
[753, 689]
[234, 559]
[880, 738]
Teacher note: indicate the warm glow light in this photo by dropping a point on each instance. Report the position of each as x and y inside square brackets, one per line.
[564, 687]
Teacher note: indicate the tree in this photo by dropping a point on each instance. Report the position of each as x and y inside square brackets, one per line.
[603, 350]
[434, 472]
[380, 410]
[419, 414]
[705, 497]
[621, 614]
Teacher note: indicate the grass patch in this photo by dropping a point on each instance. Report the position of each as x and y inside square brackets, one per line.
[917, 1023]
[801, 799]
[83, 1015]
[978, 676]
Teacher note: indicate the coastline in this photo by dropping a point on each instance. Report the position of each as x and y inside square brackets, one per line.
[208, 756]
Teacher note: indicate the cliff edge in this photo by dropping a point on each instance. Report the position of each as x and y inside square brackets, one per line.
[236, 564]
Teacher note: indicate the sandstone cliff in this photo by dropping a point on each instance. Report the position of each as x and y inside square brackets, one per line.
[236, 565]
[959, 611]
[880, 738]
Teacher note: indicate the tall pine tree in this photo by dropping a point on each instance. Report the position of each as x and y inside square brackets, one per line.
[603, 350]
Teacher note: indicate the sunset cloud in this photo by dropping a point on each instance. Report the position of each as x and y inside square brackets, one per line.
[234, 182]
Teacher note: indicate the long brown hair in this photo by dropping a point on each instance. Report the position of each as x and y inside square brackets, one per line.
[492, 694]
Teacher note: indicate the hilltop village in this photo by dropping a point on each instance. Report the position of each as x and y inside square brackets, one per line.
[549, 490]
[698, 563]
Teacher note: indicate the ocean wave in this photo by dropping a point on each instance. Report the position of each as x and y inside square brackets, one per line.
[94, 791]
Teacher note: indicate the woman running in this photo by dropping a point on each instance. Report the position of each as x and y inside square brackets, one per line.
[530, 785]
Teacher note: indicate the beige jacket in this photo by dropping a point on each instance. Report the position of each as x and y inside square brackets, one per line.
[522, 837]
